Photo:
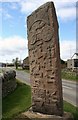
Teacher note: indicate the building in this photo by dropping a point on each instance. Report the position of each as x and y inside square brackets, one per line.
[2, 64]
[26, 63]
[73, 62]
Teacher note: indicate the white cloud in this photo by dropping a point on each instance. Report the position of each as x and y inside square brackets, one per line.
[65, 8]
[67, 13]
[28, 6]
[37, 0]
[16, 46]
[9, 0]
[67, 48]
[13, 47]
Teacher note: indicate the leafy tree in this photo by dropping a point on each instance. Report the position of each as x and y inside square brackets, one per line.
[15, 62]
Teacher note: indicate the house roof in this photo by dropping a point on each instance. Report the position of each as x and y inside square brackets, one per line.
[75, 55]
[26, 60]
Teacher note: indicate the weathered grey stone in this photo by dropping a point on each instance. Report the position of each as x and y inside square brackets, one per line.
[8, 82]
[44, 58]
[9, 75]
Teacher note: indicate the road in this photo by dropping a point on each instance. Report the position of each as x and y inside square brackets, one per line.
[23, 76]
[69, 87]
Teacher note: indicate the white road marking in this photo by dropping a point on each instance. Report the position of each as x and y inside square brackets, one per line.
[67, 87]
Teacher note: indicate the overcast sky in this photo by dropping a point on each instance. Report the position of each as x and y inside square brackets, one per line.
[13, 27]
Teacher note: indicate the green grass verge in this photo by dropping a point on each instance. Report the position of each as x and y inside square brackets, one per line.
[0, 70]
[72, 109]
[69, 76]
[20, 100]
[17, 101]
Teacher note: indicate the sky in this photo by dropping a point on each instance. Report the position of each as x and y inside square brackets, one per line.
[13, 27]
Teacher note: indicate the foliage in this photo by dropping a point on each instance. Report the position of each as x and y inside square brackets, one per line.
[16, 62]
[63, 62]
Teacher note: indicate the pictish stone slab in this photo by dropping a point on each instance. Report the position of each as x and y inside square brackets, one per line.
[44, 58]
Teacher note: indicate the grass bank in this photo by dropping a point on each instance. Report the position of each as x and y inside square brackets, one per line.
[20, 100]
[72, 109]
[17, 101]
[69, 75]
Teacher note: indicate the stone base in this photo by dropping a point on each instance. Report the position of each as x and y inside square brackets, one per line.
[35, 115]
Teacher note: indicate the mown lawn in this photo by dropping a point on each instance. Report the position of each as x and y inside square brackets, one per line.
[20, 100]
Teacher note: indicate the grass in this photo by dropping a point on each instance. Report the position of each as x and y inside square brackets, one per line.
[72, 109]
[17, 101]
[69, 75]
[20, 100]
[0, 70]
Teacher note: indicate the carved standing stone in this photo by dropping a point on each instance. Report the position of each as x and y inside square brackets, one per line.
[44, 58]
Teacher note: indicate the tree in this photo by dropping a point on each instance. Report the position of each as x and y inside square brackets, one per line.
[15, 62]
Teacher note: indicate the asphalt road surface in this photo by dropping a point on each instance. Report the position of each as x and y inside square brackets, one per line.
[23, 76]
[70, 90]
[69, 87]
